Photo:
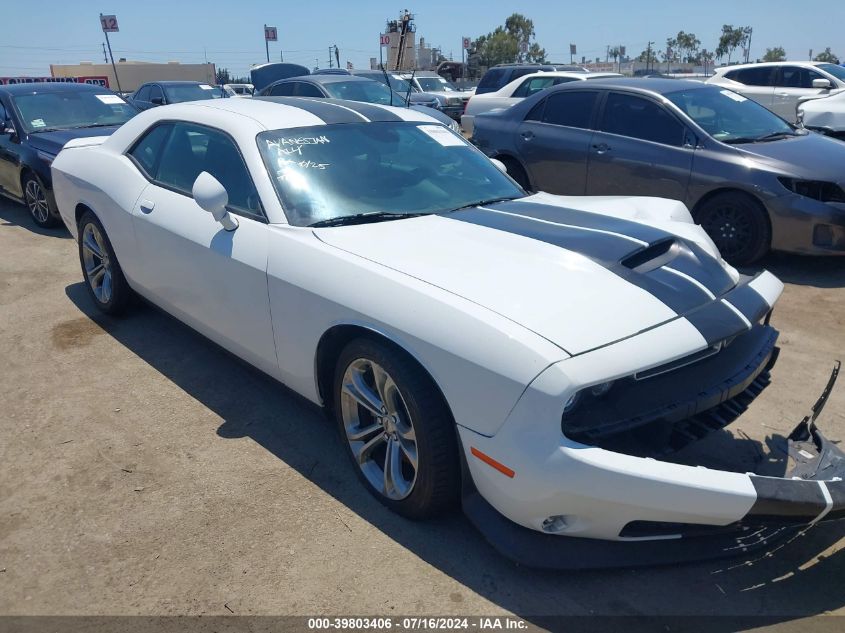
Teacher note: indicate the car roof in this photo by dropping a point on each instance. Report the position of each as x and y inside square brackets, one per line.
[323, 79]
[58, 86]
[271, 112]
[805, 64]
[647, 85]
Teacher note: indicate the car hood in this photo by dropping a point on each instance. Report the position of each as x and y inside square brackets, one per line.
[434, 114]
[53, 142]
[577, 277]
[812, 156]
[827, 112]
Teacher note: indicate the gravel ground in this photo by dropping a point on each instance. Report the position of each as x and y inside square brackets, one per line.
[145, 471]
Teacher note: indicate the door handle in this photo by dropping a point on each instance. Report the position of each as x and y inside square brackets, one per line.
[527, 136]
[601, 148]
[783, 94]
[147, 206]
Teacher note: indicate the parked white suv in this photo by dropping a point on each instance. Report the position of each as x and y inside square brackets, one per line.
[781, 85]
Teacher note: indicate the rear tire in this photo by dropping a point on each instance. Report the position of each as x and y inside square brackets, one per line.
[104, 278]
[739, 226]
[38, 202]
[398, 431]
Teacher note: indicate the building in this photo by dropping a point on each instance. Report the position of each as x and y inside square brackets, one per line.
[401, 46]
[132, 74]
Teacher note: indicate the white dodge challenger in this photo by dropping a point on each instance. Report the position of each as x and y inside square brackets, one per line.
[532, 356]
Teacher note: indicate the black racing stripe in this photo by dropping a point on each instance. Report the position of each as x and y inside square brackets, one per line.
[787, 498]
[584, 219]
[321, 108]
[694, 261]
[607, 249]
[716, 322]
[837, 495]
[675, 283]
[749, 302]
[372, 112]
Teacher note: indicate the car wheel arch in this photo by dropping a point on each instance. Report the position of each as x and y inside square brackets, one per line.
[729, 190]
[336, 338]
[506, 158]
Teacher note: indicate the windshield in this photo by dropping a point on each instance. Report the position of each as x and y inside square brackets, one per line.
[178, 93]
[47, 111]
[727, 116]
[367, 91]
[405, 167]
[435, 84]
[402, 86]
[833, 69]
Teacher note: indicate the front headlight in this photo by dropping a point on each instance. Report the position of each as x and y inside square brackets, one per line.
[47, 158]
[820, 190]
[455, 127]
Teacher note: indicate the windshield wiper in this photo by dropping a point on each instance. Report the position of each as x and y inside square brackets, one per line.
[82, 127]
[775, 136]
[364, 218]
[48, 129]
[481, 203]
[739, 139]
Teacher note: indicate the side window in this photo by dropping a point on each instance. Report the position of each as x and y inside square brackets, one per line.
[573, 109]
[536, 113]
[790, 77]
[533, 85]
[143, 93]
[636, 117]
[282, 90]
[193, 149]
[155, 91]
[306, 90]
[761, 76]
[810, 75]
[148, 149]
[3, 115]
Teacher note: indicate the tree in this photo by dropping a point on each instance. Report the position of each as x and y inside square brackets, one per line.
[827, 56]
[705, 58]
[731, 39]
[687, 45]
[222, 76]
[776, 54]
[501, 46]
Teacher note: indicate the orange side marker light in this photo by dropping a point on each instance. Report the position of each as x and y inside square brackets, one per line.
[492, 462]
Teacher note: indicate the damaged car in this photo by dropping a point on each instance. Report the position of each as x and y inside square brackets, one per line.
[533, 357]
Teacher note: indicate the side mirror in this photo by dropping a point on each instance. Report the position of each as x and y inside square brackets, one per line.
[157, 101]
[9, 128]
[211, 196]
[821, 84]
[500, 165]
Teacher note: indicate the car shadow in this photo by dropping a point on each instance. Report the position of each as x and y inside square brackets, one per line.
[803, 270]
[792, 582]
[15, 214]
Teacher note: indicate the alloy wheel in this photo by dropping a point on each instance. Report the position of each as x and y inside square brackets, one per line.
[98, 268]
[36, 200]
[379, 428]
[731, 228]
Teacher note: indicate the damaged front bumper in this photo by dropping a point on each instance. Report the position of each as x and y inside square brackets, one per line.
[621, 510]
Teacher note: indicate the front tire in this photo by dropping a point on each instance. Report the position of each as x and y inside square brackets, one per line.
[398, 430]
[38, 202]
[517, 172]
[738, 225]
[103, 276]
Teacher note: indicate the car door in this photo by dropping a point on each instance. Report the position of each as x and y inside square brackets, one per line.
[10, 155]
[639, 149]
[792, 83]
[554, 141]
[758, 83]
[213, 279]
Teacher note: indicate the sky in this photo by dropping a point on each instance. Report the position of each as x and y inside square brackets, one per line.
[231, 34]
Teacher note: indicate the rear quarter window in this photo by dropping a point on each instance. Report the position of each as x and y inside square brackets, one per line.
[491, 81]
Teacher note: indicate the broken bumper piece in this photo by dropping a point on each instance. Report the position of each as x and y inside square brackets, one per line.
[812, 491]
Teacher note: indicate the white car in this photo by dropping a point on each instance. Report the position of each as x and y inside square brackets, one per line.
[519, 89]
[780, 86]
[239, 90]
[826, 115]
[530, 355]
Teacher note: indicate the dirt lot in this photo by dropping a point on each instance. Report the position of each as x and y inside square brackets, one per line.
[145, 471]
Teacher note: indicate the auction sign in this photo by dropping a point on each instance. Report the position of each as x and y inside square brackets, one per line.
[100, 80]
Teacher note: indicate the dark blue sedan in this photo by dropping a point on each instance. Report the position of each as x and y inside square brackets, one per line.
[38, 119]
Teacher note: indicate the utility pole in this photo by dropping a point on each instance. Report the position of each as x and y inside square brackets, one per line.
[648, 57]
[337, 55]
[748, 45]
[108, 43]
[330, 58]
[607, 54]
[105, 57]
[266, 44]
